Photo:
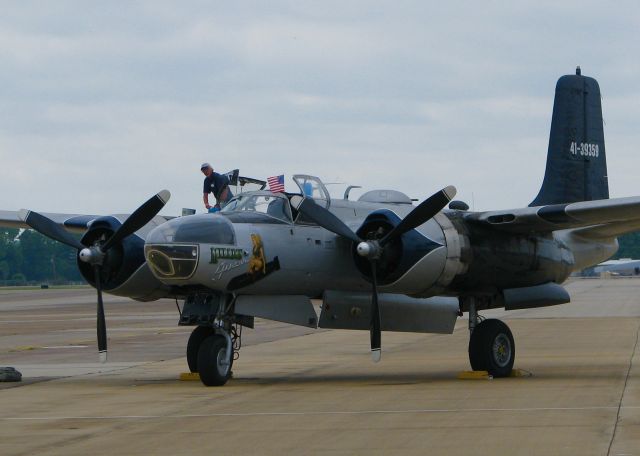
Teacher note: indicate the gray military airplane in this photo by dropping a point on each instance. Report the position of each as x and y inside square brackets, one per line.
[377, 264]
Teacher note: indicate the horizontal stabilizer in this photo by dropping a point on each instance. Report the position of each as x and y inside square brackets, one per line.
[620, 215]
[608, 230]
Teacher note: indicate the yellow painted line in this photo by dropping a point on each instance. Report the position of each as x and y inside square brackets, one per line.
[189, 376]
[24, 348]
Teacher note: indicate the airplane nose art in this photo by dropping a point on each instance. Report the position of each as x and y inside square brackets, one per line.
[172, 249]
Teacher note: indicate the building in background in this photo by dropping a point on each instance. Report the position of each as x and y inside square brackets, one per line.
[623, 266]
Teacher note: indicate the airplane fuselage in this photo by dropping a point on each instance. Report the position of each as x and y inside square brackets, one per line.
[256, 254]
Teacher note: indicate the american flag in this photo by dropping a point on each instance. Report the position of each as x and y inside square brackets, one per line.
[276, 183]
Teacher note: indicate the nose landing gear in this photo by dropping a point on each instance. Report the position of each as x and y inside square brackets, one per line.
[198, 335]
[216, 340]
[212, 350]
[215, 358]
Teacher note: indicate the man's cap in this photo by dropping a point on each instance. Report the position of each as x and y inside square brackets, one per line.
[205, 166]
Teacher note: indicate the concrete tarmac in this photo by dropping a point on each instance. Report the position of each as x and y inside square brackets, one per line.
[299, 391]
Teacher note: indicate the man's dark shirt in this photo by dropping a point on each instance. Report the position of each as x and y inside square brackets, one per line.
[216, 183]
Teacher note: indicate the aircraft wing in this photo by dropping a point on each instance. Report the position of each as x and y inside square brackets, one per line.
[75, 223]
[599, 218]
[72, 222]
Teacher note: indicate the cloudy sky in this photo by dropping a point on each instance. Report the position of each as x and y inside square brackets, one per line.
[104, 103]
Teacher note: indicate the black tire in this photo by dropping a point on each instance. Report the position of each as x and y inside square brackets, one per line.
[195, 339]
[476, 354]
[212, 352]
[492, 348]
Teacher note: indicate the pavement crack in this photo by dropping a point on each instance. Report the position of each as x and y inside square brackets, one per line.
[624, 389]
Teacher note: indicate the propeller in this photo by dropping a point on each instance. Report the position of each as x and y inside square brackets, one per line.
[372, 249]
[96, 254]
[375, 333]
[423, 212]
[139, 218]
[52, 230]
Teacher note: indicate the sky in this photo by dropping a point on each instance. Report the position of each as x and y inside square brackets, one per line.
[102, 104]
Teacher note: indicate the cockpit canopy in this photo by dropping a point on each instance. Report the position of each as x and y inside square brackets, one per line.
[275, 205]
[252, 207]
[194, 228]
[313, 187]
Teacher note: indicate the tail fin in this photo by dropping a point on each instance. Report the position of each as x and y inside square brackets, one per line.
[576, 161]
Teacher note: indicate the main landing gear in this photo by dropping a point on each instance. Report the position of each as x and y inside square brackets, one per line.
[491, 345]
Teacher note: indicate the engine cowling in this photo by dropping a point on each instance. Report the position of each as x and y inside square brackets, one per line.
[125, 272]
[409, 264]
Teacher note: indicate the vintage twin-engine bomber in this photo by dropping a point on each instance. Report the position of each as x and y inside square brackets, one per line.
[377, 264]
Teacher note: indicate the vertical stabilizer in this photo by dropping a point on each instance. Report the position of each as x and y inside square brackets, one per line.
[576, 161]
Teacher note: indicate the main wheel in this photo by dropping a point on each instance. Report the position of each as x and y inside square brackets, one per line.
[195, 340]
[211, 357]
[492, 348]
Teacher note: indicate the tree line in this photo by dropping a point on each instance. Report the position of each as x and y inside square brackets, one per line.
[629, 246]
[28, 257]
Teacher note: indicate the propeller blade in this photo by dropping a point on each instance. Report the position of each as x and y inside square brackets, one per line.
[375, 332]
[323, 217]
[423, 212]
[138, 219]
[49, 228]
[100, 324]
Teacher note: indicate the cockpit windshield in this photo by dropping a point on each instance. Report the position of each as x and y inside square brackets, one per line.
[273, 205]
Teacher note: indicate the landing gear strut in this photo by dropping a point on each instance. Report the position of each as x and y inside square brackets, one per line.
[491, 345]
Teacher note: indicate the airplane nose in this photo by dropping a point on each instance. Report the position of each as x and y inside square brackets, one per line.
[172, 249]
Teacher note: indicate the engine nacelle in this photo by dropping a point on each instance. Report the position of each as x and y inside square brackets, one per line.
[125, 272]
[421, 262]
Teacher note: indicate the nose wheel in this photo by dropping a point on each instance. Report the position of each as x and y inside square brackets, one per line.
[198, 335]
[214, 360]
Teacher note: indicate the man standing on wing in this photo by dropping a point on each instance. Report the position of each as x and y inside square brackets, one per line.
[218, 185]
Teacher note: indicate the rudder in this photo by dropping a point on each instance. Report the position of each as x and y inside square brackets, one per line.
[576, 162]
